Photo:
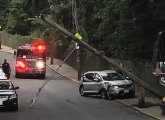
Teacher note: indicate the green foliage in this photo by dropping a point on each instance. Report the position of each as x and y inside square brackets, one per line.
[3, 4]
[124, 29]
[23, 21]
[15, 23]
[35, 7]
[64, 14]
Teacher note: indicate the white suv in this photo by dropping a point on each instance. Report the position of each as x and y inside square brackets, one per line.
[108, 83]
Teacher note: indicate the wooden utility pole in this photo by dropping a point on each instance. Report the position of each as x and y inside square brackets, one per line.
[78, 61]
[0, 39]
[141, 96]
[76, 27]
[108, 60]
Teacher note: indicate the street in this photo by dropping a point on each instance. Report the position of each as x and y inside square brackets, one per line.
[60, 100]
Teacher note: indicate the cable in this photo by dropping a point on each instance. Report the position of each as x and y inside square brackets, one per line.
[33, 101]
[77, 29]
[74, 13]
[66, 58]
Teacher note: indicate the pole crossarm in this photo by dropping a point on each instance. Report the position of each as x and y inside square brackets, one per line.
[98, 53]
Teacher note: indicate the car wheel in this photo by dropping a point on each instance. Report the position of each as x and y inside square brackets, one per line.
[17, 75]
[42, 76]
[81, 90]
[16, 107]
[132, 95]
[104, 94]
[111, 97]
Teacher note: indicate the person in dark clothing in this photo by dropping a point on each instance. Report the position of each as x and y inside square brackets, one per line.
[6, 69]
[14, 53]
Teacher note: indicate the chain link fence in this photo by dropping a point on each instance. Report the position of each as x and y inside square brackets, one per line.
[91, 62]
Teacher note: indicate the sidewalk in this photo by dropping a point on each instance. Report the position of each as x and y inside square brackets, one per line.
[153, 110]
[65, 70]
[7, 49]
[70, 73]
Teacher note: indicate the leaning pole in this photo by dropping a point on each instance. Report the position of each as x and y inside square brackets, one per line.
[98, 53]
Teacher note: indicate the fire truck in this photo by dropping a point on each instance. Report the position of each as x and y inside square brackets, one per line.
[31, 60]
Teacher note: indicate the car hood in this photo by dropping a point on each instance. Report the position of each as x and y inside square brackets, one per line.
[7, 92]
[120, 82]
[3, 77]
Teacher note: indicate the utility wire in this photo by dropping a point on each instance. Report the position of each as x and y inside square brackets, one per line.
[66, 58]
[74, 13]
[33, 101]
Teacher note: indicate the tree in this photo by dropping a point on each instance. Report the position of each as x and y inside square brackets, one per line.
[110, 28]
[105, 24]
[3, 4]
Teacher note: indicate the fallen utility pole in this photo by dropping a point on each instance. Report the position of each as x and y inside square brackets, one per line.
[98, 53]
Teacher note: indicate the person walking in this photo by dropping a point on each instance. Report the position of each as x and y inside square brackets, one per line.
[6, 68]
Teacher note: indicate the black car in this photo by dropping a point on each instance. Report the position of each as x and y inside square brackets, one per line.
[8, 95]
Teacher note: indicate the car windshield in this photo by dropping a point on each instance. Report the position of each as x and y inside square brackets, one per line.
[28, 54]
[5, 85]
[112, 77]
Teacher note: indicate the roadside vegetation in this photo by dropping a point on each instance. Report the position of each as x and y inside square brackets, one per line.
[123, 29]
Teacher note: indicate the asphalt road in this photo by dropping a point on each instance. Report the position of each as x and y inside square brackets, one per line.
[60, 100]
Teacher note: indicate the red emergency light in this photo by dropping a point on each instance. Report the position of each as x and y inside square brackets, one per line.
[39, 48]
[20, 64]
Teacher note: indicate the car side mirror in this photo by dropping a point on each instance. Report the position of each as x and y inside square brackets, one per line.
[16, 87]
[97, 80]
[127, 78]
[84, 78]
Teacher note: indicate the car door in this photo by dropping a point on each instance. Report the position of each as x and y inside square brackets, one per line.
[88, 81]
[96, 86]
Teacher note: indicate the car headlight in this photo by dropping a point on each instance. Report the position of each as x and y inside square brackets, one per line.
[115, 87]
[106, 83]
[40, 64]
[13, 96]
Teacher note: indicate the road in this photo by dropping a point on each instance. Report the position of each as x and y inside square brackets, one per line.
[60, 100]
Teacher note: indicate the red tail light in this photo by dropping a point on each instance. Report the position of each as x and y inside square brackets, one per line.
[21, 65]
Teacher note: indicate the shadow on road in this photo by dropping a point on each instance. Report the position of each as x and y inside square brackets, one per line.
[7, 110]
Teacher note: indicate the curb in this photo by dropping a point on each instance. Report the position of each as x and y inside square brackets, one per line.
[62, 74]
[139, 110]
[150, 115]
[135, 108]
